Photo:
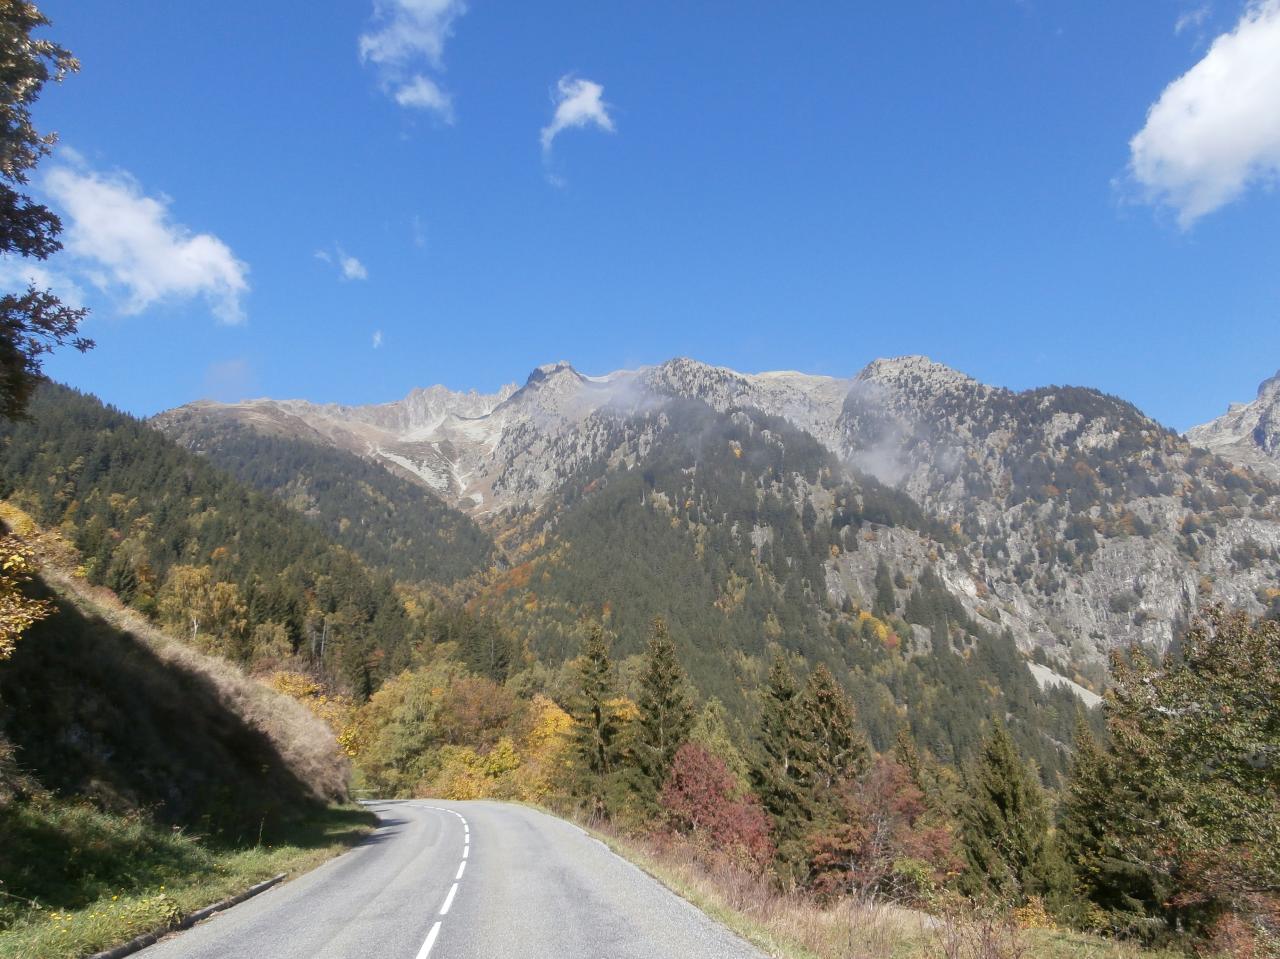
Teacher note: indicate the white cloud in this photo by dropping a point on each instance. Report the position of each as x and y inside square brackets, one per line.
[127, 243]
[423, 94]
[1192, 19]
[16, 274]
[1216, 129]
[349, 268]
[377, 339]
[578, 104]
[408, 40]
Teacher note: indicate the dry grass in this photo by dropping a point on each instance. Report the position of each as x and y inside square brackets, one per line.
[304, 742]
[793, 926]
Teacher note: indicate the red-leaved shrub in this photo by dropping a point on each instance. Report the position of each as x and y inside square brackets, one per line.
[703, 801]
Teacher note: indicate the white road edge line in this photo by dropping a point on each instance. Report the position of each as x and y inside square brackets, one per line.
[431, 941]
[462, 867]
[448, 900]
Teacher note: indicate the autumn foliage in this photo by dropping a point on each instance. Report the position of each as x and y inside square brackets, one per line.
[883, 841]
[701, 799]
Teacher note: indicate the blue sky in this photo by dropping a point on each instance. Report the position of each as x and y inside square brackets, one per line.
[759, 185]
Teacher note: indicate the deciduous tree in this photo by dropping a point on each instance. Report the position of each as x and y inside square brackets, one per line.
[33, 322]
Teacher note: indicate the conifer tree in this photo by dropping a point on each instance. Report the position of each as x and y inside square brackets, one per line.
[597, 728]
[666, 714]
[1096, 810]
[775, 774]
[833, 748]
[1005, 825]
[886, 602]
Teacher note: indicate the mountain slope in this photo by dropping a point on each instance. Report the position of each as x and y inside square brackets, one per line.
[1248, 433]
[386, 519]
[238, 572]
[1083, 524]
[1091, 525]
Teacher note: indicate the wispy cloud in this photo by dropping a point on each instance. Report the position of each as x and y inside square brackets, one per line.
[17, 273]
[128, 244]
[579, 103]
[1192, 19]
[377, 339]
[349, 268]
[1215, 130]
[406, 45]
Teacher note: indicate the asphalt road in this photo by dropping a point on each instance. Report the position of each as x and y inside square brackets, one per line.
[465, 880]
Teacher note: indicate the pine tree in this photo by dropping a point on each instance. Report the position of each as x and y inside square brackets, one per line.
[597, 728]
[886, 602]
[666, 714]
[1005, 826]
[833, 748]
[1096, 810]
[775, 774]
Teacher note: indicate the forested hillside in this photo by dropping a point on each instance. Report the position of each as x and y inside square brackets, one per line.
[234, 570]
[388, 521]
[720, 523]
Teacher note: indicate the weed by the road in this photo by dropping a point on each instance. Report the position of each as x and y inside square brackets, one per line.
[797, 927]
[74, 879]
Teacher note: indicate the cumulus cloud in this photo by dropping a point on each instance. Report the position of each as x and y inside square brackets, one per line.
[349, 268]
[406, 44]
[377, 339]
[127, 243]
[1215, 130]
[579, 103]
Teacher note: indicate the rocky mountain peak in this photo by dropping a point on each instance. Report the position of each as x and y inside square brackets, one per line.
[918, 373]
[552, 370]
[1248, 433]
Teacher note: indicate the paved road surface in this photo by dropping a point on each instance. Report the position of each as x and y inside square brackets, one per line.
[467, 880]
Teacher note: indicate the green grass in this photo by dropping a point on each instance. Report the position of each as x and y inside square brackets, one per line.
[75, 880]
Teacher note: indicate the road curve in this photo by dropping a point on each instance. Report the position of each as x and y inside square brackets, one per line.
[464, 880]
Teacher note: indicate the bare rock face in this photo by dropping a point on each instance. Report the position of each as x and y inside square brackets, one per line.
[1062, 515]
[1248, 433]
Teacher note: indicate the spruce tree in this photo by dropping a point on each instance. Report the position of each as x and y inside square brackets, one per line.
[666, 714]
[775, 774]
[597, 728]
[1096, 809]
[833, 748]
[886, 601]
[1005, 826]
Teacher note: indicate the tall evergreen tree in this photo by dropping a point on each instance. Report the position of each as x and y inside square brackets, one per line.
[833, 747]
[1005, 825]
[1097, 808]
[775, 773]
[597, 729]
[886, 602]
[666, 713]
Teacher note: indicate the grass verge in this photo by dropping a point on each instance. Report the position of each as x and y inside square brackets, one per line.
[77, 880]
[796, 927]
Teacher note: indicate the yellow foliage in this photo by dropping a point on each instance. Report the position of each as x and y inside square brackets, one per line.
[338, 712]
[17, 610]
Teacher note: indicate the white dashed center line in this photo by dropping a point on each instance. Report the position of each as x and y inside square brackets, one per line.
[431, 941]
[448, 900]
[425, 951]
